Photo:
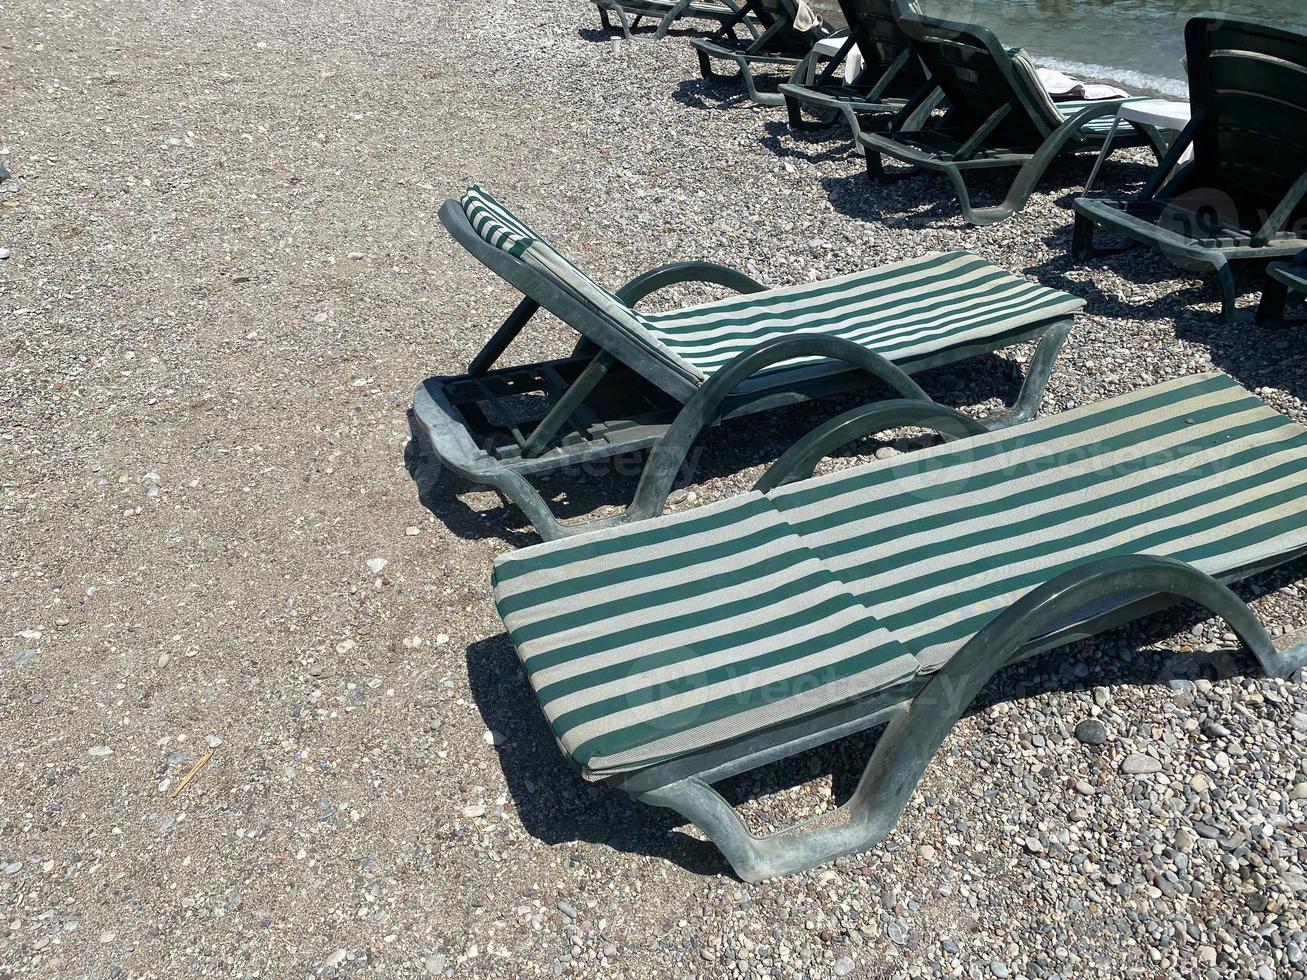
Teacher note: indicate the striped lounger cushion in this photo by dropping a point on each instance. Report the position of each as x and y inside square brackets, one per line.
[659, 638]
[902, 311]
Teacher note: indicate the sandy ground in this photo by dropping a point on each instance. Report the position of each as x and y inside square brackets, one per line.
[226, 278]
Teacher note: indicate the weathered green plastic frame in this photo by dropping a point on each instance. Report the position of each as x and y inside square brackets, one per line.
[932, 143]
[441, 433]
[1137, 218]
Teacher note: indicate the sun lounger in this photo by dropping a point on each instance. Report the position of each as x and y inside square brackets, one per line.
[629, 14]
[999, 118]
[674, 653]
[790, 29]
[890, 75]
[1282, 278]
[640, 380]
[1243, 196]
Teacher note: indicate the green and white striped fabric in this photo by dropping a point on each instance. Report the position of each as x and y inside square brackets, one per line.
[941, 543]
[500, 227]
[1100, 126]
[654, 640]
[903, 310]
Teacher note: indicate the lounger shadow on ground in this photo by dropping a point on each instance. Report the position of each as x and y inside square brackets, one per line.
[702, 93]
[557, 807]
[1256, 356]
[815, 146]
[732, 447]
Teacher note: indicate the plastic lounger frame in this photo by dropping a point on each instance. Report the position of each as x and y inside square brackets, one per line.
[612, 398]
[920, 713]
[956, 146]
[630, 13]
[1234, 158]
[1282, 278]
[769, 48]
[881, 89]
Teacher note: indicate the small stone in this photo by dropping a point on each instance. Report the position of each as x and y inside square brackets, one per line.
[375, 565]
[4, 254]
[214, 741]
[99, 751]
[442, 639]
[568, 909]
[345, 646]
[1138, 764]
[1091, 731]
[1102, 696]
[493, 738]
[320, 317]
[610, 951]
[1299, 792]
[999, 969]
[13, 867]
[354, 255]
[165, 659]
[1084, 787]
[897, 932]
[108, 937]
[474, 811]
[1034, 845]
[1199, 783]
[336, 958]
[927, 852]
[412, 530]
[1257, 901]
[435, 964]
[1214, 729]
[843, 966]
[1185, 839]
[886, 452]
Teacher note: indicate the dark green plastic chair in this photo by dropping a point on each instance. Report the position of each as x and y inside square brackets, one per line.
[780, 46]
[674, 653]
[999, 117]
[652, 381]
[1282, 278]
[891, 73]
[1242, 196]
[630, 13]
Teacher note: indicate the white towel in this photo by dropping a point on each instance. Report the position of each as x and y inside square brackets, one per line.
[1064, 86]
[804, 17]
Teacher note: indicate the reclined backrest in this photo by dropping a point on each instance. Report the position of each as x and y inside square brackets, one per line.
[874, 24]
[978, 77]
[1248, 88]
[500, 228]
[789, 39]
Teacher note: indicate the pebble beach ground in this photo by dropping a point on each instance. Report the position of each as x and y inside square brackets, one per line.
[259, 716]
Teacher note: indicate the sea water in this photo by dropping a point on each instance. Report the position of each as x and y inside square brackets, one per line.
[1137, 44]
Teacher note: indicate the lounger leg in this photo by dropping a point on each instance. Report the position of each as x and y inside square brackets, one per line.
[1229, 293]
[1272, 312]
[876, 167]
[709, 73]
[919, 728]
[751, 86]
[1040, 369]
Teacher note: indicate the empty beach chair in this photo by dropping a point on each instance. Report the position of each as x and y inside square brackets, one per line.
[999, 118]
[789, 30]
[654, 380]
[674, 653]
[629, 14]
[1241, 196]
[889, 76]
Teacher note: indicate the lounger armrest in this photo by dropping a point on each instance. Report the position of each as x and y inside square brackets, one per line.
[799, 462]
[669, 454]
[679, 272]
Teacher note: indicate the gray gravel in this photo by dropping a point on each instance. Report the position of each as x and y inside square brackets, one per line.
[224, 277]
